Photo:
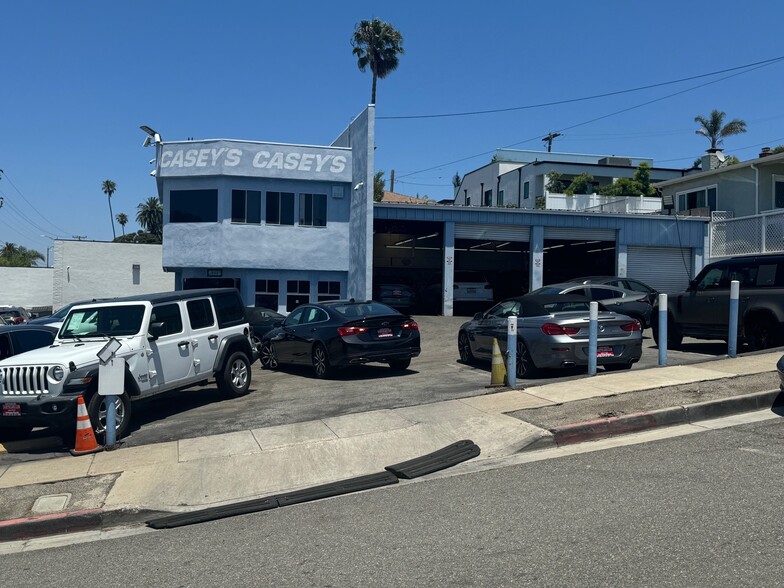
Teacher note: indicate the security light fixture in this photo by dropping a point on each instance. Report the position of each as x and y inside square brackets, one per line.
[152, 136]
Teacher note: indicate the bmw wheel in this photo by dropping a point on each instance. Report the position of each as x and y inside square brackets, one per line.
[525, 366]
[464, 348]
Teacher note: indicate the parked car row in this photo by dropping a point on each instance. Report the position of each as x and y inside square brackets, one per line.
[14, 315]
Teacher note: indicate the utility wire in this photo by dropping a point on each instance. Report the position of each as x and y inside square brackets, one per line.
[584, 98]
[615, 113]
[59, 230]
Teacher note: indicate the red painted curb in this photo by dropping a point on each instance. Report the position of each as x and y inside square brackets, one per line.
[50, 524]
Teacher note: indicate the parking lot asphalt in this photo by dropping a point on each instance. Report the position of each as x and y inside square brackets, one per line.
[251, 462]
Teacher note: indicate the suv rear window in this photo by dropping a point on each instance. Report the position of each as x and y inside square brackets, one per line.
[229, 308]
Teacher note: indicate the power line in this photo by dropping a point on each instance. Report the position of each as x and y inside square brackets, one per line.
[584, 98]
[598, 118]
[59, 230]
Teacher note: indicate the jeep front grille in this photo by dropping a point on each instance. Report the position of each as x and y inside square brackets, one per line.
[25, 380]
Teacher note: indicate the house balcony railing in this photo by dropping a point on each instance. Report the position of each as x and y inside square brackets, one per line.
[747, 235]
[598, 203]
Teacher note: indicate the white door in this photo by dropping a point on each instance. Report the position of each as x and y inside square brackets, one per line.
[204, 338]
[170, 356]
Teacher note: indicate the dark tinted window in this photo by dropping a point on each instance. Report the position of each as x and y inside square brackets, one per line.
[246, 206]
[363, 309]
[5, 346]
[169, 315]
[193, 206]
[713, 276]
[32, 339]
[200, 313]
[280, 208]
[604, 293]
[313, 210]
[229, 308]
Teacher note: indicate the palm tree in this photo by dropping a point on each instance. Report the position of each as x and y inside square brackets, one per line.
[150, 216]
[109, 188]
[715, 130]
[377, 45]
[122, 218]
[12, 255]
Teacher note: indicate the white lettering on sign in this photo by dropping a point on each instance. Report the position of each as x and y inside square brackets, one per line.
[232, 157]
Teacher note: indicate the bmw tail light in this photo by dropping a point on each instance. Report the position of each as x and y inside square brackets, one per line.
[410, 326]
[645, 300]
[631, 327]
[349, 331]
[553, 329]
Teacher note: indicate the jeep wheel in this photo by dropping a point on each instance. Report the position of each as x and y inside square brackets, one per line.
[234, 379]
[96, 408]
[762, 333]
[321, 366]
[267, 357]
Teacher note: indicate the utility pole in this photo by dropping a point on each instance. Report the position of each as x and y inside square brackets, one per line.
[392, 181]
[549, 140]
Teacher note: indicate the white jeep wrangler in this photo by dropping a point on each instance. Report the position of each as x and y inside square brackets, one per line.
[169, 341]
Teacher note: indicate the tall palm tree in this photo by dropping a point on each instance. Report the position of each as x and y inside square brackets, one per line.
[377, 45]
[715, 130]
[109, 188]
[122, 218]
[150, 216]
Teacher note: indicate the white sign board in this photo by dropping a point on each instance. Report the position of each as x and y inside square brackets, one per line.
[111, 377]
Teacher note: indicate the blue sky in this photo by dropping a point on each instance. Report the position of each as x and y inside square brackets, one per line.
[78, 78]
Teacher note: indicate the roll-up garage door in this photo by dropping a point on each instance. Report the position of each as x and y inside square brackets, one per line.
[492, 232]
[668, 269]
[572, 233]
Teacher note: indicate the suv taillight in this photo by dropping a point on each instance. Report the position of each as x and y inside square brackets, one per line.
[553, 329]
[631, 327]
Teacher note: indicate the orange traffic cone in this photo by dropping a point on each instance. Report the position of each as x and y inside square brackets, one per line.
[85, 437]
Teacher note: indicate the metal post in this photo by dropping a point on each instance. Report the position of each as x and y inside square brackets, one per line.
[593, 334]
[111, 420]
[732, 338]
[511, 351]
[662, 329]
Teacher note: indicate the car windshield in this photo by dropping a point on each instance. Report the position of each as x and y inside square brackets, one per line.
[103, 321]
[546, 290]
[364, 309]
[63, 312]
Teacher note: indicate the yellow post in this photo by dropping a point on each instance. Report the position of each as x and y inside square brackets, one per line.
[497, 368]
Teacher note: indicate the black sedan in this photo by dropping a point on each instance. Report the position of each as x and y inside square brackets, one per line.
[262, 320]
[21, 338]
[340, 333]
[552, 332]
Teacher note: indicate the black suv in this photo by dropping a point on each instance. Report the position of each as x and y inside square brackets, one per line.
[702, 311]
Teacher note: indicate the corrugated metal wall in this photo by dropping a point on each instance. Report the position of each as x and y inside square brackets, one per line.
[668, 269]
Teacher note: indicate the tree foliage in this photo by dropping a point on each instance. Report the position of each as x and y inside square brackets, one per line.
[377, 45]
[555, 183]
[639, 184]
[150, 217]
[13, 255]
[122, 219]
[714, 129]
[108, 187]
[142, 237]
[582, 184]
[379, 183]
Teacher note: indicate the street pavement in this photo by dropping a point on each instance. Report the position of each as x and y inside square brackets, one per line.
[218, 469]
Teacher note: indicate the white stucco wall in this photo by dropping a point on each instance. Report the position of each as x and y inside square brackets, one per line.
[85, 269]
[29, 287]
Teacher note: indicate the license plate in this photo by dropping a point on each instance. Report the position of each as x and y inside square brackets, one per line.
[605, 352]
[384, 332]
[396, 293]
[12, 409]
[471, 290]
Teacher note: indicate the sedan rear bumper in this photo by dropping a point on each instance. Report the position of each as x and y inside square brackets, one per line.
[576, 354]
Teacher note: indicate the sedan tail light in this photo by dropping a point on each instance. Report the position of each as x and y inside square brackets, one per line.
[410, 326]
[631, 327]
[553, 329]
[348, 331]
[644, 299]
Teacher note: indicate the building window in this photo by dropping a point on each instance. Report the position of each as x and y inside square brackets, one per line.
[500, 199]
[328, 291]
[280, 208]
[468, 201]
[778, 191]
[193, 206]
[297, 292]
[246, 206]
[313, 210]
[699, 198]
[526, 190]
[267, 293]
[488, 197]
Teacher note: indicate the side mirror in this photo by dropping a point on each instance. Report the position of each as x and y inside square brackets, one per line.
[156, 330]
[479, 316]
[692, 284]
[277, 323]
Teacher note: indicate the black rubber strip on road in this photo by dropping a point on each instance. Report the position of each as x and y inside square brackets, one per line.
[337, 488]
[213, 513]
[449, 456]
[261, 504]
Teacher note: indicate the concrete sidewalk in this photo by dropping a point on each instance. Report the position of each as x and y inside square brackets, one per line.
[220, 469]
